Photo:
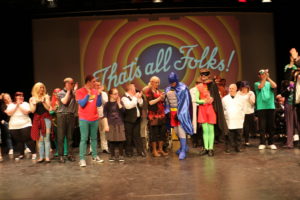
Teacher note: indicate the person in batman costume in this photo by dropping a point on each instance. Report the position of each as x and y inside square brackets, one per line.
[178, 106]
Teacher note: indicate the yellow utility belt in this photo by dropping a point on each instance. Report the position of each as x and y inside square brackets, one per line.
[173, 109]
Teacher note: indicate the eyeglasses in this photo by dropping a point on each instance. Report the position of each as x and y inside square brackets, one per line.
[204, 73]
[115, 93]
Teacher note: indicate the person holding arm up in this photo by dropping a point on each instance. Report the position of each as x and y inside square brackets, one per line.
[88, 99]
[265, 106]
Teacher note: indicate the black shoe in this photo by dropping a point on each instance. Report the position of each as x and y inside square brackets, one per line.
[211, 153]
[121, 159]
[61, 159]
[40, 161]
[71, 158]
[129, 155]
[19, 157]
[112, 159]
[106, 151]
[237, 149]
[203, 152]
[227, 151]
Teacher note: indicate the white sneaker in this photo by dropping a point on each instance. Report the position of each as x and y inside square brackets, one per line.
[273, 147]
[97, 159]
[27, 150]
[82, 163]
[261, 146]
[11, 152]
[33, 156]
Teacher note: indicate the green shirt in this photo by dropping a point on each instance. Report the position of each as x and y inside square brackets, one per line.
[264, 96]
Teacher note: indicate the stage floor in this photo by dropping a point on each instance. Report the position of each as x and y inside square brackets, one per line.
[251, 174]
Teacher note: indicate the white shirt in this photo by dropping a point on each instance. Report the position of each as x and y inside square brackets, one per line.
[19, 120]
[104, 98]
[247, 98]
[133, 103]
[233, 111]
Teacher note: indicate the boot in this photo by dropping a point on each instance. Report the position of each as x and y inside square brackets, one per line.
[194, 141]
[160, 148]
[183, 147]
[203, 152]
[154, 151]
[211, 152]
[179, 150]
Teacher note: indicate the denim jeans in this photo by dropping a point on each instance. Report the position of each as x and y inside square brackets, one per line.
[44, 141]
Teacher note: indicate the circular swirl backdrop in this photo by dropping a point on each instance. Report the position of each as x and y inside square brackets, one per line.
[118, 51]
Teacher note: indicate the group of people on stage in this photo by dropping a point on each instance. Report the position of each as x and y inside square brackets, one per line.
[206, 112]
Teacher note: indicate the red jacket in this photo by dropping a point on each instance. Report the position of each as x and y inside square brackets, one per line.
[39, 126]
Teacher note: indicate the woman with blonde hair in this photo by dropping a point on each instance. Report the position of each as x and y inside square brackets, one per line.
[156, 116]
[41, 125]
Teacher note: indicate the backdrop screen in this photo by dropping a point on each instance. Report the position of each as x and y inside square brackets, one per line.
[122, 49]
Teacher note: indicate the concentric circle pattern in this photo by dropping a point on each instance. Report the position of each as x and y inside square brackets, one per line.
[118, 51]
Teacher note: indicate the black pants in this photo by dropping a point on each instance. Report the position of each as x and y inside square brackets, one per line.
[65, 127]
[248, 126]
[266, 125]
[22, 137]
[113, 145]
[291, 123]
[157, 133]
[197, 138]
[133, 137]
[234, 138]
[219, 134]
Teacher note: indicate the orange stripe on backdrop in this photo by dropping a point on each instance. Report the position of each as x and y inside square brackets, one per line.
[86, 32]
[222, 39]
[167, 26]
[98, 41]
[232, 26]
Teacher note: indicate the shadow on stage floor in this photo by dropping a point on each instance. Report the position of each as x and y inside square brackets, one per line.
[251, 174]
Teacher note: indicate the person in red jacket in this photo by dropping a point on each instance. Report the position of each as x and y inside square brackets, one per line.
[88, 99]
